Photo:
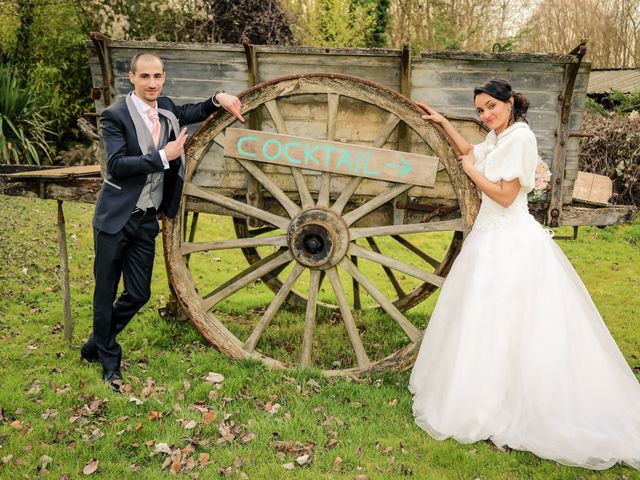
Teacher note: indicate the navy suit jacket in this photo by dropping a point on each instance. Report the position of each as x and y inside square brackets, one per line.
[127, 167]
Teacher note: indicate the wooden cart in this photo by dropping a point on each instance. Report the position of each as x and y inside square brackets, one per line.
[331, 178]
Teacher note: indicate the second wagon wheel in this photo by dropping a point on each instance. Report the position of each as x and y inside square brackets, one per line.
[316, 238]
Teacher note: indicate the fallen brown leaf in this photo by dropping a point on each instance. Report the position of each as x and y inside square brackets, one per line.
[213, 377]
[17, 424]
[162, 448]
[166, 463]
[209, 416]
[90, 467]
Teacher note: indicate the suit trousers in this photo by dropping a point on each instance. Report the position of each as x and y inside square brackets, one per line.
[128, 254]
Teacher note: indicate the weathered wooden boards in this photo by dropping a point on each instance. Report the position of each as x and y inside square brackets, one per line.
[72, 184]
[443, 79]
[59, 173]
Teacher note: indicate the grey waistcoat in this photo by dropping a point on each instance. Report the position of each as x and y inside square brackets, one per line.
[151, 195]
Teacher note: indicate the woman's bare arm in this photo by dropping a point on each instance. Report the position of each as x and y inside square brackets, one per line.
[430, 114]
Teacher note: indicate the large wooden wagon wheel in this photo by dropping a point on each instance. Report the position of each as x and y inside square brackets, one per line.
[314, 229]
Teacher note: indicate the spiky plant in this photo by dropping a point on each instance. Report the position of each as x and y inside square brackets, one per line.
[23, 129]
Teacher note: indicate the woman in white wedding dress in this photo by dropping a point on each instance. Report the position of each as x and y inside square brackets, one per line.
[515, 351]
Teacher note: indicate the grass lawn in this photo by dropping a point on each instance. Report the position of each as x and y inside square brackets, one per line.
[57, 418]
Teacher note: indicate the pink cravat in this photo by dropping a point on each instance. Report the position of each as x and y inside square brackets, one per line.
[152, 113]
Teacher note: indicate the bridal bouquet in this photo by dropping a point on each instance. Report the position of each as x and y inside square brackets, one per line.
[542, 182]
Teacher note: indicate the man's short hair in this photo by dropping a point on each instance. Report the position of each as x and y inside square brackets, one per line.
[139, 55]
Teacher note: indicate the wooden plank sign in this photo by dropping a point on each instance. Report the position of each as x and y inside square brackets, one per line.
[332, 157]
[592, 188]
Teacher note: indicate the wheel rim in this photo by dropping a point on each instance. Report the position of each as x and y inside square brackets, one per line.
[319, 236]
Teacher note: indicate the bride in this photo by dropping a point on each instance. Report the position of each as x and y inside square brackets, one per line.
[516, 351]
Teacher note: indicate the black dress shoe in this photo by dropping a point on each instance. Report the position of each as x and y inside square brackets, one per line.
[113, 378]
[88, 353]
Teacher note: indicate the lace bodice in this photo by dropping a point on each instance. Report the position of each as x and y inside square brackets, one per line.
[494, 215]
[511, 154]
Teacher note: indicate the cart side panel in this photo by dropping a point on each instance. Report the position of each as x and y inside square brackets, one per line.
[575, 124]
[196, 70]
[384, 70]
[448, 85]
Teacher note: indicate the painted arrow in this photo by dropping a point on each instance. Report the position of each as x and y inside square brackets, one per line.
[406, 168]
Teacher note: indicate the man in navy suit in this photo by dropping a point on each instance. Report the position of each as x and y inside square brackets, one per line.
[145, 154]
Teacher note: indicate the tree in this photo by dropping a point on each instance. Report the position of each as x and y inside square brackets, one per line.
[263, 22]
[219, 21]
[455, 24]
[43, 43]
[610, 26]
[337, 23]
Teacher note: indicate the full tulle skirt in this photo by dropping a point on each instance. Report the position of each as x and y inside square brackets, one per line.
[516, 352]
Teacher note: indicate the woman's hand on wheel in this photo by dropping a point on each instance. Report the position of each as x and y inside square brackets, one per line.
[431, 114]
[468, 161]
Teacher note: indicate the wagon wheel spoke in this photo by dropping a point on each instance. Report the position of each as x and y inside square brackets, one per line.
[350, 325]
[236, 206]
[435, 263]
[382, 138]
[219, 139]
[412, 332]
[190, 247]
[303, 190]
[246, 271]
[385, 132]
[192, 230]
[390, 275]
[374, 203]
[247, 276]
[332, 115]
[323, 194]
[291, 208]
[357, 251]
[443, 226]
[254, 232]
[357, 304]
[332, 118]
[310, 318]
[275, 304]
[345, 195]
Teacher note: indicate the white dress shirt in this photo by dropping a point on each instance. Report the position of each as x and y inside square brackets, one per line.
[142, 108]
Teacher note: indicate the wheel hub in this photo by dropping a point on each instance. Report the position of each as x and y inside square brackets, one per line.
[318, 238]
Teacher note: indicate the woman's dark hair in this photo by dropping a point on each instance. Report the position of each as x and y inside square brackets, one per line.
[500, 89]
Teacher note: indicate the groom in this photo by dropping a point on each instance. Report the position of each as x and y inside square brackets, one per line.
[145, 153]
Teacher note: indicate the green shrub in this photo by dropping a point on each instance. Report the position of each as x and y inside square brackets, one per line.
[625, 102]
[43, 44]
[23, 129]
[595, 107]
[613, 150]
